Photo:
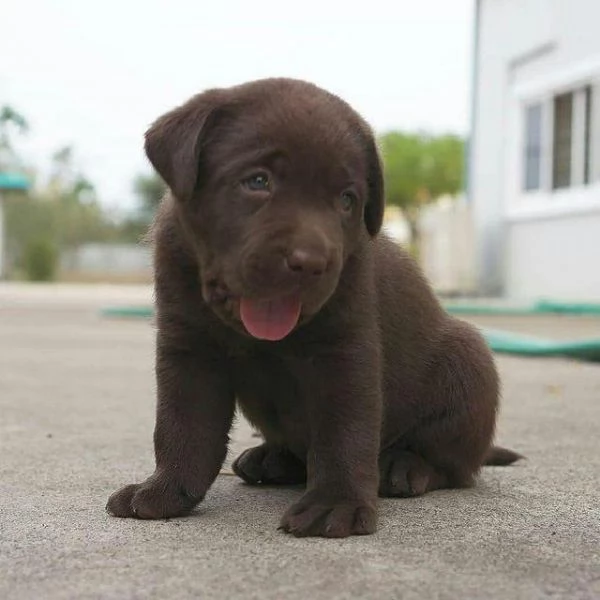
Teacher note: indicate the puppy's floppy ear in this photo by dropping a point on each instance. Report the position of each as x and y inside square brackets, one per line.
[376, 202]
[174, 141]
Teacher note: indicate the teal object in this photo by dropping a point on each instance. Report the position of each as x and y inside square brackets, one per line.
[13, 181]
[486, 309]
[568, 308]
[542, 307]
[513, 343]
[129, 312]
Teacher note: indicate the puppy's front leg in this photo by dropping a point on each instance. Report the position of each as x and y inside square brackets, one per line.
[194, 414]
[342, 472]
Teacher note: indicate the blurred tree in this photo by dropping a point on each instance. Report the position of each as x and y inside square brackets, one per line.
[131, 230]
[149, 190]
[418, 169]
[40, 259]
[77, 214]
[447, 165]
[11, 122]
[58, 214]
[61, 211]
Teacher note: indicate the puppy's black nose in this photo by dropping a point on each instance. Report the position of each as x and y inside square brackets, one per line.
[306, 262]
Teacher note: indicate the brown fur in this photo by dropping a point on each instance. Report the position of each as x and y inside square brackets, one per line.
[377, 390]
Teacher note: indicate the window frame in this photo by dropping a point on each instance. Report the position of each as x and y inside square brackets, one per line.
[580, 196]
[532, 182]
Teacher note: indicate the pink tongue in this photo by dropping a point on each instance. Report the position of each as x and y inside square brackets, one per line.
[270, 320]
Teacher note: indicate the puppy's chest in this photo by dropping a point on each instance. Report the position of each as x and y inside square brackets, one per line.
[270, 375]
[270, 389]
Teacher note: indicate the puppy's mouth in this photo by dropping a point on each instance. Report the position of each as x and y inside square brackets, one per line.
[270, 320]
[265, 319]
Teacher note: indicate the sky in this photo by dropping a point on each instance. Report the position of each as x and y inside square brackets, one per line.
[95, 74]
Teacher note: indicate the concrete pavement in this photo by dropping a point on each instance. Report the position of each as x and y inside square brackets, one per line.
[76, 418]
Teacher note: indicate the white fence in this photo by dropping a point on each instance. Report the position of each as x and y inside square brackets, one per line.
[447, 246]
[110, 260]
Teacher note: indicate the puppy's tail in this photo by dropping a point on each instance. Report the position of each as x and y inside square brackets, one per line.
[500, 457]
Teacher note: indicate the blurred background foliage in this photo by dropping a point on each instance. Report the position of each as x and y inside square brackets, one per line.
[62, 212]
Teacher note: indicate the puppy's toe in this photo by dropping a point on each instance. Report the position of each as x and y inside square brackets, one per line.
[268, 465]
[249, 465]
[404, 474]
[119, 504]
[335, 519]
[154, 499]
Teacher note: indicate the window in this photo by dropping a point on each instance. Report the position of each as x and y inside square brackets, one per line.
[533, 146]
[562, 141]
[587, 154]
[559, 141]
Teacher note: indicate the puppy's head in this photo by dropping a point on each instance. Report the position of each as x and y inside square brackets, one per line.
[276, 183]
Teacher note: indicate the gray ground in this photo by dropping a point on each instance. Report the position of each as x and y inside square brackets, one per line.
[76, 417]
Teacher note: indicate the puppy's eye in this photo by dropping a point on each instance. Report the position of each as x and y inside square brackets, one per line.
[258, 182]
[347, 201]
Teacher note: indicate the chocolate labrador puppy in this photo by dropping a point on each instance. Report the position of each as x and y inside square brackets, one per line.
[275, 288]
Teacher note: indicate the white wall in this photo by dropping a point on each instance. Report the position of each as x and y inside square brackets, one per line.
[555, 258]
[524, 44]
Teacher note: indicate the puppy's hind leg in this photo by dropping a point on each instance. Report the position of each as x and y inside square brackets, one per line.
[452, 438]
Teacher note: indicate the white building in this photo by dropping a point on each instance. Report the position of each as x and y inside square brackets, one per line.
[534, 166]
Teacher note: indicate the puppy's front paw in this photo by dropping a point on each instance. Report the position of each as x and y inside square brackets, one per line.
[156, 498]
[315, 516]
[267, 465]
